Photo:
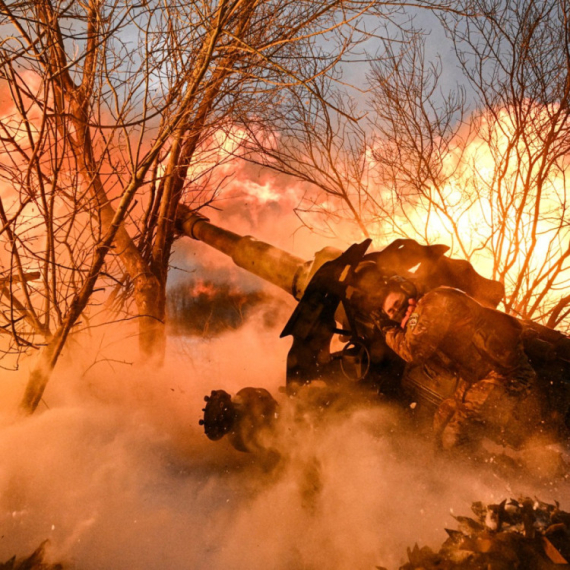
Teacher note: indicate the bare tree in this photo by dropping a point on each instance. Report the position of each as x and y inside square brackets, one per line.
[319, 142]
[420, 138]
[73, 95]
[483, 167]
[325, 141]
[114, 110]
[497, 184]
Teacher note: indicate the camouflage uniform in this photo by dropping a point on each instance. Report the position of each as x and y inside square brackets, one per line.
[495, 393]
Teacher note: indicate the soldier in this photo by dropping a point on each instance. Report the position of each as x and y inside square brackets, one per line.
[495, 393]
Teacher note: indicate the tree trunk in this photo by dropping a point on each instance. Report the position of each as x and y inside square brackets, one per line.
[39, 377]
[150, 297]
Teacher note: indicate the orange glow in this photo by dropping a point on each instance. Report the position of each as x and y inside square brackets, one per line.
[498, 198]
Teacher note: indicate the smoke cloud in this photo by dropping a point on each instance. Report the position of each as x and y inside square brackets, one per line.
[117, 473]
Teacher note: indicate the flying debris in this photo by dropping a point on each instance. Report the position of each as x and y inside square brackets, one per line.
[524, 534]
[347, 295]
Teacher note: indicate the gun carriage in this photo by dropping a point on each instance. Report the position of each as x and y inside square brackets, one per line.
[334, 289]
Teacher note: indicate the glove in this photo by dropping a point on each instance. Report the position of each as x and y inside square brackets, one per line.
[411, 306]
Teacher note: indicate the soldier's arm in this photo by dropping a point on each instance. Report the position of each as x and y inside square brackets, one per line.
[423, 333]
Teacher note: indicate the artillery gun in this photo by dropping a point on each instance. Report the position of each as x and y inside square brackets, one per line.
[334, 290]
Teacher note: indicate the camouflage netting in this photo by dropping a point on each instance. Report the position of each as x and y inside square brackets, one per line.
[516, 535]
[33, 562]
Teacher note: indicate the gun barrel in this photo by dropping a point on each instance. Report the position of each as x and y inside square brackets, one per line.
[262, 259]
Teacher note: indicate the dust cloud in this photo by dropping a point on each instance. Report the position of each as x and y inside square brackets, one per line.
[115, 471]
